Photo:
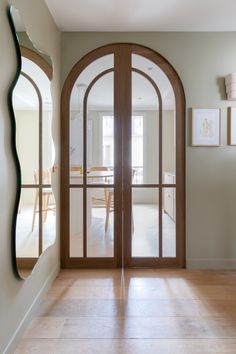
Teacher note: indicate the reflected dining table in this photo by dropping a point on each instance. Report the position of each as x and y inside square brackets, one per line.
[77, 177]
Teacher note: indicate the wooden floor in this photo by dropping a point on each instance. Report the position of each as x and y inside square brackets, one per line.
[136, 311]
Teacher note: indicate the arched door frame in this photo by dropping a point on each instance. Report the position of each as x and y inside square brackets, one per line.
[177, 86]
[37, 59]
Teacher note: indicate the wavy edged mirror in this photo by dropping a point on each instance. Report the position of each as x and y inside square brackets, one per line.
[30, 107]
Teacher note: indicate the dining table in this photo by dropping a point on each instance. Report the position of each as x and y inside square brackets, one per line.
[77, 177]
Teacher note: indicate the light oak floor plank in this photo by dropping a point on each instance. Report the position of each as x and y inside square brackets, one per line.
[134, 307]
[124, 346]
[45, 327]
[136, 311]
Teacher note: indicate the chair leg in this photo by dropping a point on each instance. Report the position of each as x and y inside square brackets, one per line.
[108, 208]
[43, 208]
[132, 221]
[46, 203]
[35, 210]
[106, 196]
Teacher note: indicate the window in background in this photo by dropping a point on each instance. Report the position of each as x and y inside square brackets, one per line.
[108, 141]
[137, 148]
[137, 144]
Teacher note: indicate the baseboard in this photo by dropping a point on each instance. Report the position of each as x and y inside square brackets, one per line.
[211, 263]
[20, 329]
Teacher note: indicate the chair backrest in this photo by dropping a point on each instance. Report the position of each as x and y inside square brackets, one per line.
[46, 176]
[36, 176]
[133, 173]
[98, 168]
[76, 168]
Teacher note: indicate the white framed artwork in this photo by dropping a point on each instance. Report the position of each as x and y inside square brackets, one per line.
[232, 125]
[205, 127]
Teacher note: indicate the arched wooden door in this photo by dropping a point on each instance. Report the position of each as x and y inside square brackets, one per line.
[123, 161]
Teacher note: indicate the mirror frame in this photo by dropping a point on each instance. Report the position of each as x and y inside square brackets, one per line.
[21, 51]
[13, 140]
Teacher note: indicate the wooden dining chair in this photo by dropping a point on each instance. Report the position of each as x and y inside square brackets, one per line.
[99, 168]
[76, 168]
[46, 194]
[97, 201]
[110, 204]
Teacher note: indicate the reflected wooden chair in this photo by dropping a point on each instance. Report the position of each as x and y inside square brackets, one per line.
[99, 202]
[98, 168]
[46, 194]
[110, 208]
[110, 204]
[76, 168]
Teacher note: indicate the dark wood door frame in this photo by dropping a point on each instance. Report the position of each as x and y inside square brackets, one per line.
[123, 200]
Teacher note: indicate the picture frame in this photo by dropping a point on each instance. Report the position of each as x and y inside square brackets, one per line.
[206, 126]
[232, 126]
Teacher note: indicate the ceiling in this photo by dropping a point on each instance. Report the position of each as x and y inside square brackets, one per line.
[143, 15]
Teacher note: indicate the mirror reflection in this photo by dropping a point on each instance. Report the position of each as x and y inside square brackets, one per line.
[32, 104]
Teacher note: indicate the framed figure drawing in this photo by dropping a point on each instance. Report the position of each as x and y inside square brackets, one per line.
[232, 126]
[205, 127]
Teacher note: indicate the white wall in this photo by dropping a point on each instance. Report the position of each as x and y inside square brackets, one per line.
[18, 298]
[27, 133]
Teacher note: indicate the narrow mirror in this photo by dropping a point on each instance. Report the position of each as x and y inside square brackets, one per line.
[34, 228]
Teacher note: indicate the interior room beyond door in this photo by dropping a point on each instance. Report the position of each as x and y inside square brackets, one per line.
[122, 161]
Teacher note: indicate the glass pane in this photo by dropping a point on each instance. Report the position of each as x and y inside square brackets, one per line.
[100, 131]
[49, 203]
[168, 108]
[145, 222]
[49, 217]
[48, 146]
[36, 73]
[99, 100]
[169, 146]
[76, 222]
[27, 228]
[76, 134]
[26, 109]
[168, 220]
[145, 131]
[100, 222]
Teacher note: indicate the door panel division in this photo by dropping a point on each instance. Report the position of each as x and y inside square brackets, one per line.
[122, 161]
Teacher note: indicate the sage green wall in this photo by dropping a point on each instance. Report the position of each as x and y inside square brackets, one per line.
[25, 42]
[19, 298]
[201, 60]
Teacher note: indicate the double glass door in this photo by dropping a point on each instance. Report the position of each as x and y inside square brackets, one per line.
[122, 161]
